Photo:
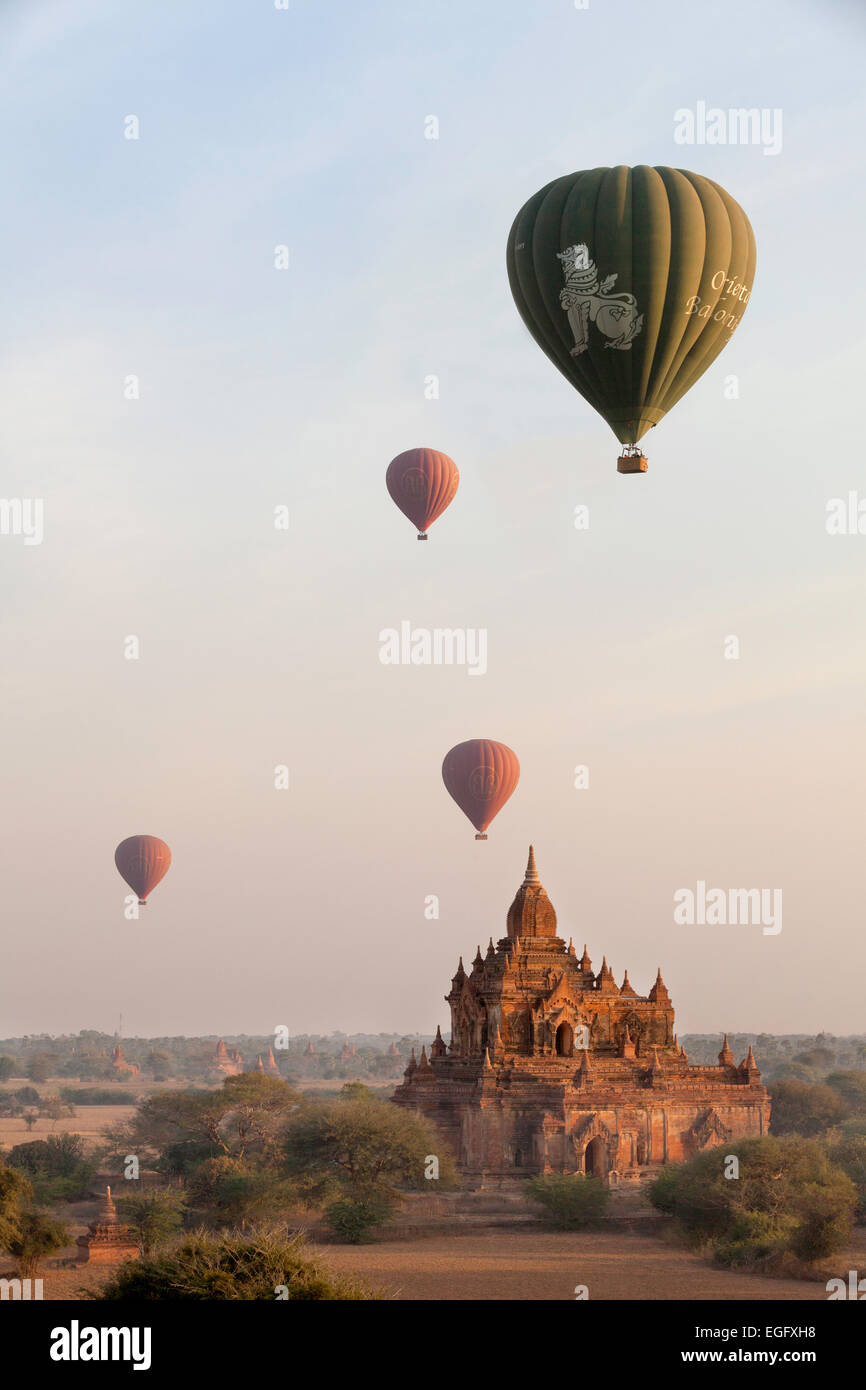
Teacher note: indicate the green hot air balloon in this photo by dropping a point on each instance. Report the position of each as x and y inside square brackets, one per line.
[632, 281]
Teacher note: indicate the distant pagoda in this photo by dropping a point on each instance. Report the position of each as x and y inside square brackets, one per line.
[227, 1061]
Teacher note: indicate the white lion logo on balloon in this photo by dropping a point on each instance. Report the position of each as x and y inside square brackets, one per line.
[586, 301]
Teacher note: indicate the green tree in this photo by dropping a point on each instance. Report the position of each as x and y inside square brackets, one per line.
[8, 1068]
[849, 1154]
[40, 1066]
[231, 1267]
[243, 1119]
[361, 1144]
[232, 1191]
[851, 1086]
[36, 1235]
[358, 1213]
[58, 1155]
[570, 1200]
[159, 1064]
[15, 1191]
[819, 1058]
[153, 1216]
[787, 1199]
[799, 1108]
[56, 1166]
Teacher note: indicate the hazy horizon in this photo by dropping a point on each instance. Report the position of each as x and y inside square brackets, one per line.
[260, 387]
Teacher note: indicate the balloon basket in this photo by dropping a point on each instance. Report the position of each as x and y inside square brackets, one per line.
[631, 462]
[481, 837]
[142, 902]
[422, 535]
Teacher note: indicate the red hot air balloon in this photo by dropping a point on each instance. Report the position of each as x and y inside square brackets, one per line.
[423, 483]
[142, 861]
[480, 775]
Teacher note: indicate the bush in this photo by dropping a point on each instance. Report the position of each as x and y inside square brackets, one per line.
[788, 1200]
[36, 1235]
[355, 1217]
[56, 1166]
[58, 1156]
[570, 1200]
[153, 1217]
[753, 1237]
[234, 1267]
[232, 1191]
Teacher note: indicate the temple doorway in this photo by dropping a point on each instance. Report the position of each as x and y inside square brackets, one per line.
[565, 1040]
[595, 1158]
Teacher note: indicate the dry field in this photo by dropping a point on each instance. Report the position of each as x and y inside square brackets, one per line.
[549, 1265]
[89, 1121]
[525, 1265]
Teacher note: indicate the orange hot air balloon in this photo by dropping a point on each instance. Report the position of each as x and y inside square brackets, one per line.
[480, 775]
[423, 483]
[142, 861]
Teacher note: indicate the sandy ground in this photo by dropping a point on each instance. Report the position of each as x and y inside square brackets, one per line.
[525, 1265]
[549, 1265]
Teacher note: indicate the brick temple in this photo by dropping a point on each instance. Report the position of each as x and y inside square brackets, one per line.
[553, 1067]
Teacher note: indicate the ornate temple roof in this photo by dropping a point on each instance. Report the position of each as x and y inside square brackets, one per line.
[532, 913]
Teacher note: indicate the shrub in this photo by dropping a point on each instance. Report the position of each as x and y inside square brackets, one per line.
[355, 1217]
[232, 1192]
[788, 1200]
[36, 1235]
[56, 1166]
[234, 1267]
[153, 1217]
[570, 1200]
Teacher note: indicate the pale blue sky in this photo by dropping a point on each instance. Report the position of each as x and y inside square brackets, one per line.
[258, 387]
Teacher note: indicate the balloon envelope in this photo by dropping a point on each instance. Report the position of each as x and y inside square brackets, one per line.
[480, 775]
[422, 482]
[631, 281]
[142, 861]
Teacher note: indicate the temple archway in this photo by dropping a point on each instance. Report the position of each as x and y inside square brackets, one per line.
[565, 1040]
[595, 1158]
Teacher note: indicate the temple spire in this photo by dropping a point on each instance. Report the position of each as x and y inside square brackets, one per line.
[659, 992]
[531, 870]
[531, 914]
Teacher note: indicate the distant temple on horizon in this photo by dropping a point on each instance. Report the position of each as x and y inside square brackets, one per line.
[553, 1068]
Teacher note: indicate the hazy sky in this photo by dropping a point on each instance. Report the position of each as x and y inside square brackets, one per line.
[259, 387]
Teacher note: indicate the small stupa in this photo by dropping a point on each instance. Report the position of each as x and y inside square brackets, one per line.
[108, 1240]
